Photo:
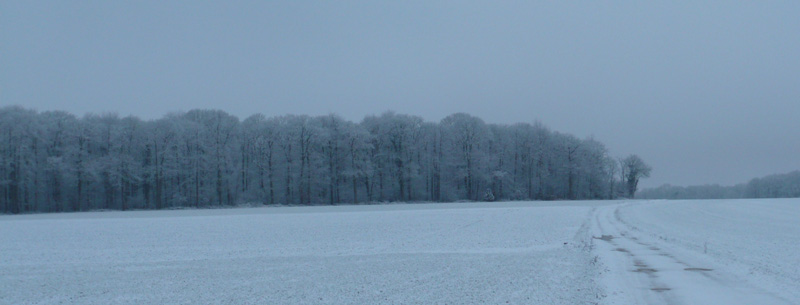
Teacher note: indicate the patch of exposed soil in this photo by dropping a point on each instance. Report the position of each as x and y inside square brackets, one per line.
[605, 237]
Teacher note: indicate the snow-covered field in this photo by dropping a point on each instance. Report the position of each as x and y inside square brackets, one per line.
[607, 252]
[433, 253]
[702, 251]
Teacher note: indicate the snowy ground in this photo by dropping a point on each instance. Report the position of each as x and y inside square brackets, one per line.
[607, 252]
[530, 253]
[700, 251]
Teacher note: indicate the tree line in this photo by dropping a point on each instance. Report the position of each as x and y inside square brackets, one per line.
[772, 186]
[53, 161]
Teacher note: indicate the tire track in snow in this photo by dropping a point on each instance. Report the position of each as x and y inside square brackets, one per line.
[642, 271]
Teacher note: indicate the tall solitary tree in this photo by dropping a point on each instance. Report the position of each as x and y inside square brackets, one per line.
[633, 168]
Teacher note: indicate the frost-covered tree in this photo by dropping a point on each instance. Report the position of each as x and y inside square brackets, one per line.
[55, 161]
[395, 139]
[465, 139]
[633, 169]
[259, 161]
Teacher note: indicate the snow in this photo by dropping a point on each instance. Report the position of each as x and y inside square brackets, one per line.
[421, 253]
[585, 252]
[737, 251]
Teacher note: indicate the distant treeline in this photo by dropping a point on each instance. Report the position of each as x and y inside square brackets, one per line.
[773, 186]
[54, 161]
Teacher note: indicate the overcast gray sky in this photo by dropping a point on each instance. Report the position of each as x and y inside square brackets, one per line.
[705, 91]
